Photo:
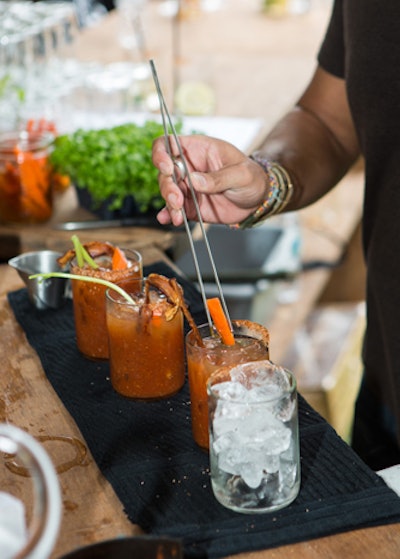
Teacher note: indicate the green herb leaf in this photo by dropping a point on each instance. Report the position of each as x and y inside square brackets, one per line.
[112, 163]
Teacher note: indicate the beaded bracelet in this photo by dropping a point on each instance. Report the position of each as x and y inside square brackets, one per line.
[279, 193]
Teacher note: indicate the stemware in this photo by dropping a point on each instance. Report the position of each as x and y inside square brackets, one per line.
[35, 537]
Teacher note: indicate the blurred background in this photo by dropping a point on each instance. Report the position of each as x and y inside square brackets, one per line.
[229, 68]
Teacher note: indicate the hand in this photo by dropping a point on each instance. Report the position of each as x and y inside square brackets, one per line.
[229, 185]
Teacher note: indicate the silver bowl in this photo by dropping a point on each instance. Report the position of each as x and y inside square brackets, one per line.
[43, 294]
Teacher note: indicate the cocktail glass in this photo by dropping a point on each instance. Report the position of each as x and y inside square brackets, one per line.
[252, 344]
[89, 301]
[146, 341]
[254, 443]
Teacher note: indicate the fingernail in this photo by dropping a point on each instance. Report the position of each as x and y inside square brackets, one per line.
[199, 179]
[175, 214]
[165, 169]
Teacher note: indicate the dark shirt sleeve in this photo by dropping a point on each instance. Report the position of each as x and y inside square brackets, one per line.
[331, 54]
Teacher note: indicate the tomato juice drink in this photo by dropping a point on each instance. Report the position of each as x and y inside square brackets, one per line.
[251, 344]
[146, 341]
[89, 301]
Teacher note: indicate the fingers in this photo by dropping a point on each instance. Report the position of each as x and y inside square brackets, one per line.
[164, 217]
[167, 216]
[228, 182]
[171, 193]
[160, 157]
[174, 200]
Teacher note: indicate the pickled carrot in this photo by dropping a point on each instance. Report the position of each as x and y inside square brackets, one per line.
[41, 125]
[35, 183]
[119, 260]
[220, 321]
[60, 182]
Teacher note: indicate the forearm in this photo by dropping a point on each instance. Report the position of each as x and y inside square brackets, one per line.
[315, 159]
[302, 158]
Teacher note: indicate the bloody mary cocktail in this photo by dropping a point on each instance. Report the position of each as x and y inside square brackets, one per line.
[251, 344]
[89, 301]
[146, 343]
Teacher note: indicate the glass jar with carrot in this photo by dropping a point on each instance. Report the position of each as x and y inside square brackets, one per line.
[26, 176]
[97, 260]
[218, 348]
[146, 339]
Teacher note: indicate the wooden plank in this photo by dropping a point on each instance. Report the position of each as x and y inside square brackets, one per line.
[358, 544]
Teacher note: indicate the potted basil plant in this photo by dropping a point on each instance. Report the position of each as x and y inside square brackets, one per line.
[111, 168]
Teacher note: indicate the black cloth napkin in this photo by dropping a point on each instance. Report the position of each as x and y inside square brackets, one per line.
[147, 453]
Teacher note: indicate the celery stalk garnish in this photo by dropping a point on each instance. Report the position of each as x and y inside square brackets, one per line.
[66, 275]
[82, 254]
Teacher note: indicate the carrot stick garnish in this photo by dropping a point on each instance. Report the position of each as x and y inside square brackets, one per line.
[220, 321]
[119, 260]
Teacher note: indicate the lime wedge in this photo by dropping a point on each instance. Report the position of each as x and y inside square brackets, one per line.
[195, 98]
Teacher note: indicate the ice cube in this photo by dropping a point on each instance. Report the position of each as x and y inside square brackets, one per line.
[268, 432]
[228, 390]
[223, 442]
[229, 460]
[271, 379]
[246, 425]
[228, 416]
[252, 474]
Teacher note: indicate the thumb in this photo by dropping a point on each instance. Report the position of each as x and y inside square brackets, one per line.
[202, 182]
[229, 178]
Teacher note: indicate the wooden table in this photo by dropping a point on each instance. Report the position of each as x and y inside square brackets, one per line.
[259, 66]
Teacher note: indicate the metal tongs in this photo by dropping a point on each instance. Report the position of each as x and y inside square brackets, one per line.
[180, 166]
